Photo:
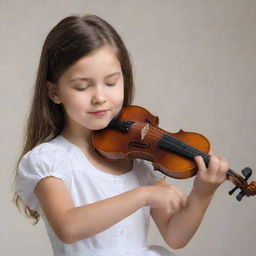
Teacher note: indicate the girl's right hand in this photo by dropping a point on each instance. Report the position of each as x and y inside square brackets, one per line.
[166, 197]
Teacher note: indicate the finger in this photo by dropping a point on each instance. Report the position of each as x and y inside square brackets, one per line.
[177, 199]
[181, 198]
[210, 152]
[184, 200]
[214, 164]
[200, 163]
[175, 205]
[223, 167]
[179, 193]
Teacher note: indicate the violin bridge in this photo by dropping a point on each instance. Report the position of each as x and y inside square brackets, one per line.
[144, 131]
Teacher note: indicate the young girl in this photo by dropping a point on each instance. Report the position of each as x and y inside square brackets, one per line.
[90, 205]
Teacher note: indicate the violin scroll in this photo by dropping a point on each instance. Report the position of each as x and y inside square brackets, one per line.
[241, 183]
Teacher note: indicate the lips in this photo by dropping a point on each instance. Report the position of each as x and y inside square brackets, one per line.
[99, 112]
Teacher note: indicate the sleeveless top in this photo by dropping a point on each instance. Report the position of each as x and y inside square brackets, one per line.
[86, 184]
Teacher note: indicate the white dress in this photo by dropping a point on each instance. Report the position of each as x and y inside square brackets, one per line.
[86, 184]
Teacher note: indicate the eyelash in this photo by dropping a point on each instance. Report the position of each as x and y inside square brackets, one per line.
[82, 89]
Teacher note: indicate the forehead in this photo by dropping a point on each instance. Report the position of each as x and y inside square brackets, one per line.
[100, 63]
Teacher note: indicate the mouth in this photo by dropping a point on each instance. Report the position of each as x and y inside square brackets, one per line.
[99, 112]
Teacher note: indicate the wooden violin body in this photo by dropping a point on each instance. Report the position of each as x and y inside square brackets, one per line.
[135, 134]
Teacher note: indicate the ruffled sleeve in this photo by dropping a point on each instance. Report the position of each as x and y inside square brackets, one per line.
[43, 161]
[148, 175]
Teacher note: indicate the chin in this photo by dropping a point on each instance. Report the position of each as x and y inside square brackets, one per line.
[99, 127]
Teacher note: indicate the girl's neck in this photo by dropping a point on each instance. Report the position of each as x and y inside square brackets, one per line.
[81, 138]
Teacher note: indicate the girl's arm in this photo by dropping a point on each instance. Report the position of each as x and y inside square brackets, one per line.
[177, 227]
[71, 223]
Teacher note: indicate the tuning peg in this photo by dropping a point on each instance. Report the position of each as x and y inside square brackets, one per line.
[240, 196]
[247, 172]
[233, 190]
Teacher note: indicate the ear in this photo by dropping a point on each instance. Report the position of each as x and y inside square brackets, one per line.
[53, 92]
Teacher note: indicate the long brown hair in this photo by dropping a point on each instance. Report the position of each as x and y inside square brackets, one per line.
[72, 38]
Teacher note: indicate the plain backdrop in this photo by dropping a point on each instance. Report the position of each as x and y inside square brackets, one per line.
[194, 65]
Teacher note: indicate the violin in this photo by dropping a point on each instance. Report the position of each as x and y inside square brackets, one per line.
[135, 133]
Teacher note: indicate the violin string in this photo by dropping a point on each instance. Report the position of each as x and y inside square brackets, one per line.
[172, 140]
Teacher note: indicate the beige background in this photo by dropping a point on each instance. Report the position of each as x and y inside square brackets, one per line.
[194, 64]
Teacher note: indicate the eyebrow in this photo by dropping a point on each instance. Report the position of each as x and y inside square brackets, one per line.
[88, 79]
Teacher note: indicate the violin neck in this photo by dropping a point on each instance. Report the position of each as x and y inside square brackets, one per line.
[174, 145]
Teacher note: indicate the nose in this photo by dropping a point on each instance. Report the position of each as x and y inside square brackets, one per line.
[98, 96]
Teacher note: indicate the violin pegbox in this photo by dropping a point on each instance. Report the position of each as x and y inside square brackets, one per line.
[247, 172]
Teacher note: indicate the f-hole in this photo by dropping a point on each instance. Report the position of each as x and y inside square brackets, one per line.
[138, 145]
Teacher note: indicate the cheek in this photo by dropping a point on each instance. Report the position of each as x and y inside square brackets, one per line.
[75, 104]
[118, 95]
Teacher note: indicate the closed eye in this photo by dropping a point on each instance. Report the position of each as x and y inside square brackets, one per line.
[81, 89]
[110, 84]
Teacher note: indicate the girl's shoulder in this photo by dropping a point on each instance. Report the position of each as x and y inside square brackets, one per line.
[46, 148]
[45, 158]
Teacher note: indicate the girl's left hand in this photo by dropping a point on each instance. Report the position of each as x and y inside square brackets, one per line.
[208, 179]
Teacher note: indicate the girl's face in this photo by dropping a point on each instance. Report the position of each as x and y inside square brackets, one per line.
[91, 91]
